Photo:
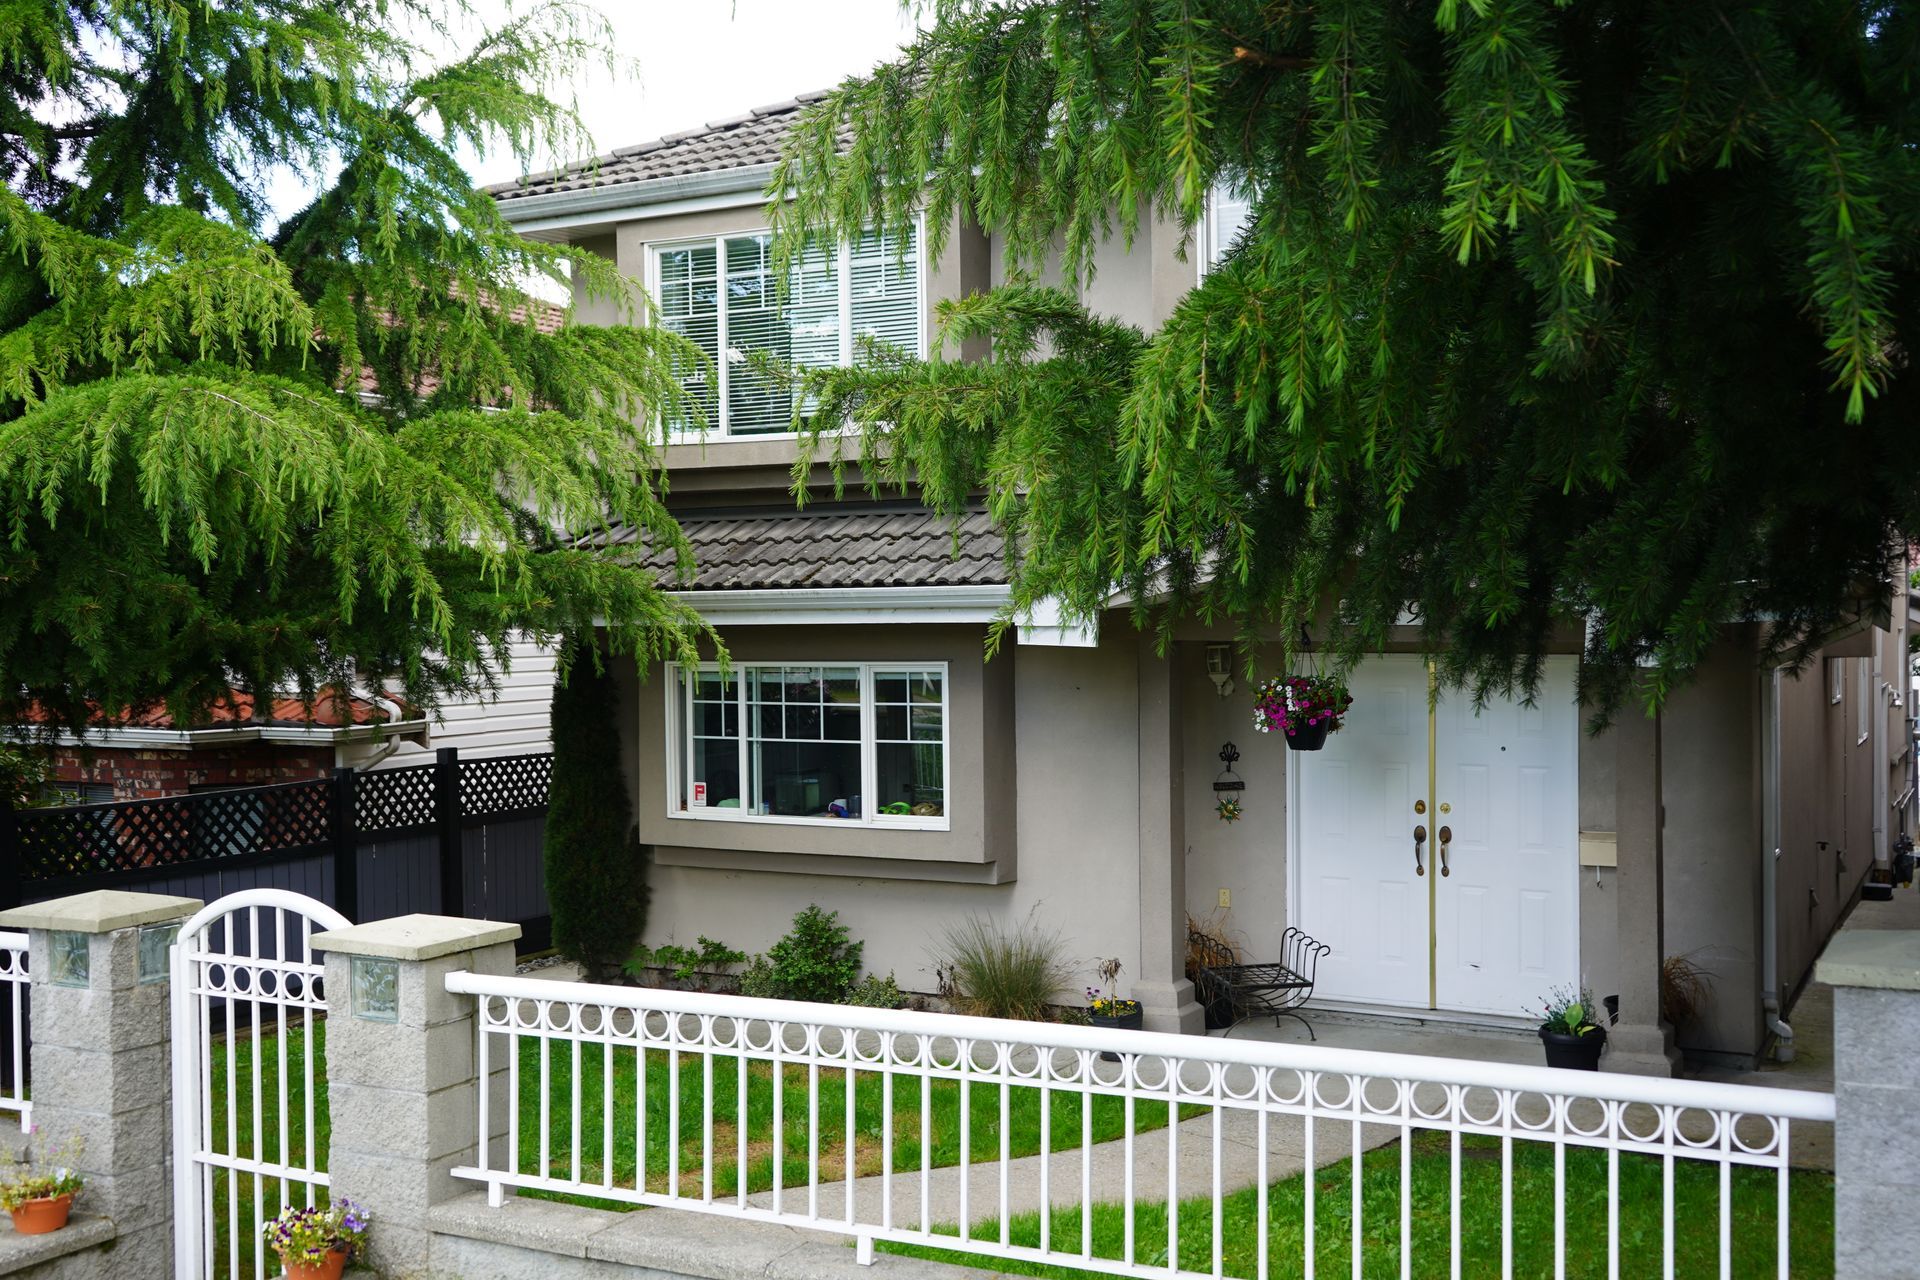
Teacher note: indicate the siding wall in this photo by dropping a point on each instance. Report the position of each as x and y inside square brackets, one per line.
[514, 723]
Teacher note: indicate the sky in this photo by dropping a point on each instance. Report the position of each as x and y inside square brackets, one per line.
[702, 60]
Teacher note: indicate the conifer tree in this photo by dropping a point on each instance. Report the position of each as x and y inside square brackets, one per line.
[595, 867]
[1593, 313]
[344, 447]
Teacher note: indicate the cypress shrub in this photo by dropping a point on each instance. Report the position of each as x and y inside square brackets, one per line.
[595, 867]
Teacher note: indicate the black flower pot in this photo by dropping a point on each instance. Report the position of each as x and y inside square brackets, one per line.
[1308, 737]
[1133, 1020]
[1574, 1053]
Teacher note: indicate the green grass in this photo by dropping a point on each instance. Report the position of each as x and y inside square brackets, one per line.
[1696, 1216]
[241, 1186]
[600, 1096]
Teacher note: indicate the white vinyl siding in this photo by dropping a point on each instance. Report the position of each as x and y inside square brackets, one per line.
[725, 295]
[516, 722]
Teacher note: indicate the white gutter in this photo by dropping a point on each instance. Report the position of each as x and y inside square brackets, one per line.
[847, 606]
[622, 201]
[308, 734]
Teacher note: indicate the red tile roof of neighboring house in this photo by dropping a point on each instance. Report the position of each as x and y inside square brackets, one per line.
[329, 711]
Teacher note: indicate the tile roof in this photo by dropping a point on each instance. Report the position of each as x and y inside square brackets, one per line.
[738, 142]
[236, 709]
[833, 547]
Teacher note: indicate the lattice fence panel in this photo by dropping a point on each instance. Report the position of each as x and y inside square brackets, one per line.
[394, 799]
[504, 784]
[87, 840]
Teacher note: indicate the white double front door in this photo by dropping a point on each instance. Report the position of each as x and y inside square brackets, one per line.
[1480, 915]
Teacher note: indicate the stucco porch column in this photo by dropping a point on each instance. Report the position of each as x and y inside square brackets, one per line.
[1161, 986]
[1641, 1043]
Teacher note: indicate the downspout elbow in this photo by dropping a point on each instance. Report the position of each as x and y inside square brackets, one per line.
[1783, 1034]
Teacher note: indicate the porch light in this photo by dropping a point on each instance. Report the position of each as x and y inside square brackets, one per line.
[1220, 667]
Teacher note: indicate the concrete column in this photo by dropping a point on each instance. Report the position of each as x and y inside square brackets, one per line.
[102, 1070]
[1641, 1043]
[1875, 976]
[1161, 986]
[402, 1079]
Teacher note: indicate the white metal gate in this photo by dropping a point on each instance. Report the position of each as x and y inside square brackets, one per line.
[248, 1009]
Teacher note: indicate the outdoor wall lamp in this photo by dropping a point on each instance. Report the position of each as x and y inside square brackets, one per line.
[1220, 667]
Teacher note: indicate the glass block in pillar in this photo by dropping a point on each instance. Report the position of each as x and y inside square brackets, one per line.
[155, 941]
[68, 959]
[376, 989]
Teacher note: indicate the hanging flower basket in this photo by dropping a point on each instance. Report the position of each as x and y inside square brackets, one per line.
[1304, 708]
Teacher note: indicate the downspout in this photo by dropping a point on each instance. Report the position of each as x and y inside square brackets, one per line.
[392, 744]
[1770, 873]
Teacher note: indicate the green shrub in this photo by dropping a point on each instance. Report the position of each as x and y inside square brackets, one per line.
[817, 960]
[595, 868]
[687, 963]
[1002, 973]
[876, 992]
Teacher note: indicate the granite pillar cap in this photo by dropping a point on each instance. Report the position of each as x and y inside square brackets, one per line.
[1881, 959]
[101, 911]
[415, 937]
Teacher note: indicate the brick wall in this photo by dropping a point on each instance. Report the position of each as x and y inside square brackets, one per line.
[140, 773]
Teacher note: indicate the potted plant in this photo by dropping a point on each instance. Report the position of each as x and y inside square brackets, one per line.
[1106, 1009]
[1305, 708]
[40, 1196]
[316, 1242]
[1572, 1038]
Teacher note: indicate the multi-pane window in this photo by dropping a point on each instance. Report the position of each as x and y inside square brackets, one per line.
[726, 295]
[830, 742]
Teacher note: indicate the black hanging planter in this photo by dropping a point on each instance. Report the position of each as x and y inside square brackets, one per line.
[1575, 1053]
[1308, 737]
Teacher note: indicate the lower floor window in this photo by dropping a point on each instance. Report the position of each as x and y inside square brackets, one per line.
[832, 742]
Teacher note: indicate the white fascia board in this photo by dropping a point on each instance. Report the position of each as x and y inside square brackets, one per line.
[846, 606]
[625, 201]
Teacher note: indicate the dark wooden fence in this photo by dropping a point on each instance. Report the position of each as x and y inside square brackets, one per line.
[455, 837]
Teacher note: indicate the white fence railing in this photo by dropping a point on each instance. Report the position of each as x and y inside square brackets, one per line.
[14, 984]
[1163, 1155]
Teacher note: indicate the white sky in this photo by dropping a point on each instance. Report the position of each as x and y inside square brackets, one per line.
[702, 60]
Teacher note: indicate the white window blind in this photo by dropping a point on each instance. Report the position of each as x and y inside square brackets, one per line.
[1228, 212]
[725, 295]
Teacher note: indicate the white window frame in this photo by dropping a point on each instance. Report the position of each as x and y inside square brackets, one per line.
[722, 429]
[1836, 669]
[1864, 687]
[1207, 245]
[679, 717]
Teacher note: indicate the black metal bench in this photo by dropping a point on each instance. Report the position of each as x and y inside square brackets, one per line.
[1254, 990]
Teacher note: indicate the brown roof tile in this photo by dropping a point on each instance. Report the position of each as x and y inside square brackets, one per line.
[832, 547]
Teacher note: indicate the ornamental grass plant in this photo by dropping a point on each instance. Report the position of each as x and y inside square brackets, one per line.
[994, 972]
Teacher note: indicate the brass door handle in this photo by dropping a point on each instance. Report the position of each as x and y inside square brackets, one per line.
[1419, 841]
[1446, 839]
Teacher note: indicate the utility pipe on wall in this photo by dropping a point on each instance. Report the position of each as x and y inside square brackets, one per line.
[1770, 871]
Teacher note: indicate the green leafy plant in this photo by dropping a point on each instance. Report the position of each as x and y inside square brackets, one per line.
[43, 1177]
[996, 972]
[876, 992]
[304, 1235]
[818, 960]
[595, 868]
[688, 964]
[1288, 704]
[1568, 1011]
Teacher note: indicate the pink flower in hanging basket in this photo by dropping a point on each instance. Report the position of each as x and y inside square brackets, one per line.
[1288, 704]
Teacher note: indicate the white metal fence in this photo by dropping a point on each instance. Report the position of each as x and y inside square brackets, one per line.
[14, 985]
[1163, 1155]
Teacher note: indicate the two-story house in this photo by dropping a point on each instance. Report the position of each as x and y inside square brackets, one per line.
[870, 758]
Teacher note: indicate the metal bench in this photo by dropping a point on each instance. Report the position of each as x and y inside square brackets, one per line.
[1254, 990]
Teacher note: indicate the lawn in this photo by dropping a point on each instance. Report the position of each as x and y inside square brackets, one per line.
[1696, 1213]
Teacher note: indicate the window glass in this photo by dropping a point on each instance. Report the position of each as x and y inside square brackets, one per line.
[713, 760]
[1229, 210]
[690, 306]
[804, 748]
[909, 711]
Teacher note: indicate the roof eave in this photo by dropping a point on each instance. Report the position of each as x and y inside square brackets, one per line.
[615, 201]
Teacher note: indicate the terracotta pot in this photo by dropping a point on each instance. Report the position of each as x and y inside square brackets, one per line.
[330, 1269]
[37, 1217]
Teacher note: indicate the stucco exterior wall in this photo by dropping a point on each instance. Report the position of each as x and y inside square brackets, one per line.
[1068, 794]
[1598, 886]
[1712, 784]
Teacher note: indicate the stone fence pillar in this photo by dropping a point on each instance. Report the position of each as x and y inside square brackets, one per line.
[101, 1065]
[1875, 975]
[402, 1079]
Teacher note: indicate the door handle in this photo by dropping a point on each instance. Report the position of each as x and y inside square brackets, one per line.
[1446, 839]
[1419, 841]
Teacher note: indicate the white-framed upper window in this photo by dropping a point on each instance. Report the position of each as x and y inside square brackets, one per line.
[844, 743]
[1229, 210]
[725, 295]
